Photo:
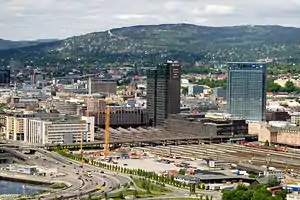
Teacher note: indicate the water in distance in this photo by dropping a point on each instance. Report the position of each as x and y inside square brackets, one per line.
[9, 187]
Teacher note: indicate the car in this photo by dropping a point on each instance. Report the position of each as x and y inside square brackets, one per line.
[110, 187]
[64, 166]
[71, 163]
[125, 164]
[102, 172]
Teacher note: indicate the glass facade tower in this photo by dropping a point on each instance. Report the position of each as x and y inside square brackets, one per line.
[246, 90]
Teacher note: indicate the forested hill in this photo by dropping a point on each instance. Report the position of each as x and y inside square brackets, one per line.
[184, 42]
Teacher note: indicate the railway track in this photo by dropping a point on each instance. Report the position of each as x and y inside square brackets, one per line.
[232, 152]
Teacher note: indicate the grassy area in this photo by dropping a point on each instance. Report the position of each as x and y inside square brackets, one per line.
[127, 192]
[186, 198]
[151, 187]
[58, 186]
[183, 198]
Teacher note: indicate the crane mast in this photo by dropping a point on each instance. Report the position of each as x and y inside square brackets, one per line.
[107, 126]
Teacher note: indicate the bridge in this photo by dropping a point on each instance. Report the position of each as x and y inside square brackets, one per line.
[14, 152]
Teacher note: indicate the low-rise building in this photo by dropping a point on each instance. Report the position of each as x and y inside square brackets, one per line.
[195, 89]
[102, 86]
[219, 93]
[120, 116]
[206, 127]
[293, 196]
[277, 116]
[22, 169]
[279, 174]
[61, 130]
[218, 164]
[295, 117]
[288, 135]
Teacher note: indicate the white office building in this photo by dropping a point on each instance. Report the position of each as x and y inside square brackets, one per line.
[61, 130]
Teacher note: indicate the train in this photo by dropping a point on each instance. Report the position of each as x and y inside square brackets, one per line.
[249, 144]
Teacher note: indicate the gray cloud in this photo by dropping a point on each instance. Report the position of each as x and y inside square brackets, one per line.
[32, 19]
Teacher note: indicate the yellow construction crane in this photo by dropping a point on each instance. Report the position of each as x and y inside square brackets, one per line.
[107, 126]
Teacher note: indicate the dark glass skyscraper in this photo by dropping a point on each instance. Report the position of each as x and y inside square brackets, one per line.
[163, 92]
[246, 87]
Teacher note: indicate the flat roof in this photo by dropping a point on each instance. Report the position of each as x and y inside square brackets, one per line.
[246, 62]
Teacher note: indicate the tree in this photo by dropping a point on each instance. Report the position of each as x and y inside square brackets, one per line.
[267, 143]
[185, 90]
[89, 196]
[135, 193]
[258, 192]
[273, 181]
[192, 188]
[181, 172]
[121, 195]
[290, 87]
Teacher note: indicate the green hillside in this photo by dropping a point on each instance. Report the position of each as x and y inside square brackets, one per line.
[147, 44]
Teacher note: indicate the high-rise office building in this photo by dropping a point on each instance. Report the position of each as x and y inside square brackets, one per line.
[163, 92]
[4, 77]
[246, 90]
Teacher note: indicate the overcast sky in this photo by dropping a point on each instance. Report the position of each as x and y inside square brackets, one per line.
[36, 19]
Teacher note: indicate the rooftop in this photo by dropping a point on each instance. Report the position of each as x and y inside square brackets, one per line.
[286, 128]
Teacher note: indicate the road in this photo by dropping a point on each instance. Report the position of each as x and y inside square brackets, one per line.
[81, 183]
[114, 180]
[81, 187]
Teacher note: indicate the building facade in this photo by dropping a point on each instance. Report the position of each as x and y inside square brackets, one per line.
[195, 89]
[15, 125]
[219, 93]
[60, 130]
[246, 90]
[278, 116]
[208, 127]
[163, 92]
[295, 118]
[119, 116]
[289, 135]
[102, 86]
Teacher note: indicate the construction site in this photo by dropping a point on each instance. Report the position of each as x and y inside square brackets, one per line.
[163, 151]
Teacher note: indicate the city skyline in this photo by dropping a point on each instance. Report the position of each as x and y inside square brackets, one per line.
[28, 19]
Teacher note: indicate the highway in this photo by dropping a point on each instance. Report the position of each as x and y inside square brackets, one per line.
[81, 183]
[84, 185]
[111, 179]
